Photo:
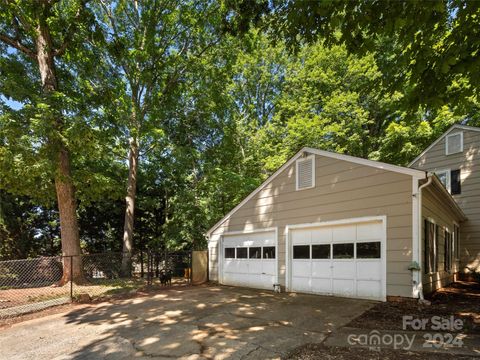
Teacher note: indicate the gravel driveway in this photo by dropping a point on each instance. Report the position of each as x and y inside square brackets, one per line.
[207, 322]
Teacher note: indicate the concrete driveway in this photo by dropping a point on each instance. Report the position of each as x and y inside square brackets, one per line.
[213, 322]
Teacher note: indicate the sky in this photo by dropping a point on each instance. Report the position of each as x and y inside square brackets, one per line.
[11, 103]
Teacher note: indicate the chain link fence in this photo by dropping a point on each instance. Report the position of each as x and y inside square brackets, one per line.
[34, 284]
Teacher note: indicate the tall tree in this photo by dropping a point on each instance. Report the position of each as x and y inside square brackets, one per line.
[35, 36]
[152, 45]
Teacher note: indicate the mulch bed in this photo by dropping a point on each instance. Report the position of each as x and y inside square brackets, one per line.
[320, 351]
[461, 299]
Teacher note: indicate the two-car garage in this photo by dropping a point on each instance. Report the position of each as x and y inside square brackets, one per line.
[343, 258]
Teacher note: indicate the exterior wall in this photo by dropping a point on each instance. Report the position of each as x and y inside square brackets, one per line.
[469, 200]
[433, 209]
[342, 190]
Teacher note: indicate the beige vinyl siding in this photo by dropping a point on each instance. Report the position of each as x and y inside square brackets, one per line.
[434, 210]
[469, 200]
[342, 190]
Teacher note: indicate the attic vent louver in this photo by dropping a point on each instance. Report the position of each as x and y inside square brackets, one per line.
[305, 172]
[454, 143]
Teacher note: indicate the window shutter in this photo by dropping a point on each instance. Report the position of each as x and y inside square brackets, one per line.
[456, 234]
[446, 250]
[305, 173]
[455, 185]
[437, 248]
[428, 246]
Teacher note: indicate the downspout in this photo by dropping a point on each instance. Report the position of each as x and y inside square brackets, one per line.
[419, 274]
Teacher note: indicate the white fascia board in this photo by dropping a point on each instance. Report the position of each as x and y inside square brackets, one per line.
[367, 162]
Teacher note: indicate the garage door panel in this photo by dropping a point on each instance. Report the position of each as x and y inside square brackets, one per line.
[301, 268]
[339, 272]
[255, 266]
[229, 265]
[369, 289]
[321, 236]
[344, 287]
[321, 286]
[344, 233]
[268, 267]
[250, 272]
[302, 283]
[321, 268]
[343, 269]
[268, 242]
[369, 270]
[369, 231]
[301, 237]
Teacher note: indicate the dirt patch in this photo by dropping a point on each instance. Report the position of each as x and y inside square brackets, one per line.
[113, 298]
[460, 299]
[320, 351]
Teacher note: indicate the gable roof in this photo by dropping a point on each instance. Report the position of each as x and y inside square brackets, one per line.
[357, 160]
[453, 127]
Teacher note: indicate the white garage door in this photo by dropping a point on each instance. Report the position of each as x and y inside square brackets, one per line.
[344, 260]
[250, 260]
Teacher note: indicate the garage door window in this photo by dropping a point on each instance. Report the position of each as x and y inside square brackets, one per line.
[229, 253]
[255, 252]
[343, 251]
[301, 252]
[269, 252]
[321, 251]
[368, 250]
[242, 253]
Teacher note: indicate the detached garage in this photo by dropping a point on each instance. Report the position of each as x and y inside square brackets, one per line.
[330, 224]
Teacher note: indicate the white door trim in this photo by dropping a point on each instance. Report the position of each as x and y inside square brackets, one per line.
[383, 219]
[246, 232]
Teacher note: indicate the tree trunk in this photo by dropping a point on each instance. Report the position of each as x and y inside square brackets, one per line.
[130, 207]
[63, 182]
[68, 221]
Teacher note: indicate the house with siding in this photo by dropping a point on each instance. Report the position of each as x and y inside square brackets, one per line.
[328, 223]
[455, 158]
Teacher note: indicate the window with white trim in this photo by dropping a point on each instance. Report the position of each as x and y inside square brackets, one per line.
[451, 179]
[444, 177]
[305, 172]
[454, 143]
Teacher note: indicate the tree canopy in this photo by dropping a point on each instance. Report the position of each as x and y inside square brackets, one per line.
[436, 43]
[183, 108]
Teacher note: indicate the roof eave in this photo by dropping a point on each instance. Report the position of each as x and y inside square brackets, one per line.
[452, 201]
[454, 126]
